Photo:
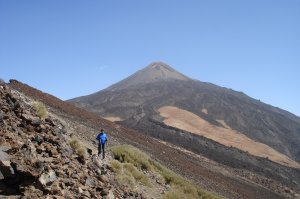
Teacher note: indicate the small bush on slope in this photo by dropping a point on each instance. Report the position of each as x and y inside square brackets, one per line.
[41, 110]
[180, 187]
[129, 154]
[77, 147]
[128, 174]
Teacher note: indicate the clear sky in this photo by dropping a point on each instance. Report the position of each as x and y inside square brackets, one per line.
[70, 48]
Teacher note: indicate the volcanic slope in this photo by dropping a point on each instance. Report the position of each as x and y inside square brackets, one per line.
[219, 178]
[136, 102]
[46, 152]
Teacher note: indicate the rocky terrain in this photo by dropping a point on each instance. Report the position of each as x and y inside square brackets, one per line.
[226, 181]
[37, 159]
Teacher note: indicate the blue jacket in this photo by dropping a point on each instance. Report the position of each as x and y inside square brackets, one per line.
[102, 138]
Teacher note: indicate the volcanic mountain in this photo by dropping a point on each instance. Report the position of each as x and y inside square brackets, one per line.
[199, 116]
[36, 158]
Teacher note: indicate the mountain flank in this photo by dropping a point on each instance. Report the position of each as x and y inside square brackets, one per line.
[44, 154]
[213, 176]
[135, 102]
[137, 105]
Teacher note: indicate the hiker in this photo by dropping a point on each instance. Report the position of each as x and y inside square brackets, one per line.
[102, 138]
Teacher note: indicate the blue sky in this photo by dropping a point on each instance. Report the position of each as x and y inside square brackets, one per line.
[72, 48]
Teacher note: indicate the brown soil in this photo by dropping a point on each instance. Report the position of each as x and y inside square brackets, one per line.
[190, 122]
[113, 119]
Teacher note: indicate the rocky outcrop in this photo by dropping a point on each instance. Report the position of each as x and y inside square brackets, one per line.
[36, 159]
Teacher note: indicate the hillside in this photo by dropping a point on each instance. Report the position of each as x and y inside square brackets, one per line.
[135, 103]
[37, 158]
[226, 126]
[43, 155]
[219, 178]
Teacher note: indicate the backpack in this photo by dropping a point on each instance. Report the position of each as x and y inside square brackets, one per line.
[102, 138]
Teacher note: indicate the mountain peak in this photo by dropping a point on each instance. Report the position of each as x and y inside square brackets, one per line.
[161, 71]
[154, 72]
[158, 65]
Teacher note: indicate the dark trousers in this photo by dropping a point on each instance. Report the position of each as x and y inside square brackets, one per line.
[101, 148]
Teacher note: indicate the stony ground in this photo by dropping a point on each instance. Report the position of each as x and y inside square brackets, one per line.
[228, 182]
[37, 160]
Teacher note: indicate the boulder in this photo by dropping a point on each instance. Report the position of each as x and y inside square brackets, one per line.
[49, 121]
[89, 182]
[68, 182]
[80, 190]
[47, 178]
[66, 152]
[6, 171]
[111, 195]
[96, 160]
[9, 100]
[86, 194]
[17, 107]
[53, 153]
[27, 167]
[13, 97]
[40, 149]
[3, 154]
[36, 121]
[54, 189]
[39, 139]
[29, 118]
[75, 176]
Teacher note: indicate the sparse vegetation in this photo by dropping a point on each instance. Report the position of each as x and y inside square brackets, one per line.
[77, 147]
[128, 174]
[41, 110]
[128, 156]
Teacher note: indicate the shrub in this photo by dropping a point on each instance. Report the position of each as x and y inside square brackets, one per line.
[137, 175]
[74, 143]
[116, 166]
[129, 154]
[81, 152]
[77, 147]
[125, 178]
[128, 174]
[40, 109]
[130, 158]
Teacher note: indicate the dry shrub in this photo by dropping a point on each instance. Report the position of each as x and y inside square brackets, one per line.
[131, 159]
[40, 109]
[78, 147]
